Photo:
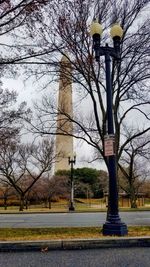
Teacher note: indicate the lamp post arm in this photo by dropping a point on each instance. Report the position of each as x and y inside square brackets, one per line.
[103, 50]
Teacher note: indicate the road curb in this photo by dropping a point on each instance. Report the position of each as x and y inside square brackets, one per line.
[70, 244]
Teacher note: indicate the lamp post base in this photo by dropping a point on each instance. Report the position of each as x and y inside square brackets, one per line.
[71, 208]
[119, 229]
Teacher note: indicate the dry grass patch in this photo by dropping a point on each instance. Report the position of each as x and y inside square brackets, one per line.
[139, 231]
[12, 234]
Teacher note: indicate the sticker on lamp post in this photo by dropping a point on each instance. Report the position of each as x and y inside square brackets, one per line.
[109, 145]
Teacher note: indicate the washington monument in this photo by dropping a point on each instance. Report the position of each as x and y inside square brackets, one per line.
[64, 142]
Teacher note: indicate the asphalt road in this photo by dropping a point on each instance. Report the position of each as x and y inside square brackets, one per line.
[119, 257]
[70, 219]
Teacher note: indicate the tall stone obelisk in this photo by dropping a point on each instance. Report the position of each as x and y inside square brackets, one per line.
[64, 141]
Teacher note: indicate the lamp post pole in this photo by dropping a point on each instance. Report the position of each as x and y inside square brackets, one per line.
[71, 162]
[113, 224]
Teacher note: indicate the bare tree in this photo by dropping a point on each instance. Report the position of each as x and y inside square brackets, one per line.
[134, 167]
[21, 161]
[66, 30]
[6, 192]
[55, 188]
[146, 188]
[16, 19]
[10, 117]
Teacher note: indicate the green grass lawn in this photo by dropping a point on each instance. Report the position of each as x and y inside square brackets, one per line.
[20, 234]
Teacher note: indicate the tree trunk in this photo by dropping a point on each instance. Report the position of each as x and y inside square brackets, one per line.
[46, 202]
[49, 203]
[133, 199]
[5, 203]
[133, 203]
[21, 208]
[26, 203]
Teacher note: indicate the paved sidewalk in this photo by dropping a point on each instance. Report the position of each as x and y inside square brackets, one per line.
[6, 246]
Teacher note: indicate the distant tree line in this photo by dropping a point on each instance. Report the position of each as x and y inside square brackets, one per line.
[88, 182]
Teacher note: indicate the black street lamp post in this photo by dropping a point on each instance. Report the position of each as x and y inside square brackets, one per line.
[113, 224]
[71, 162]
